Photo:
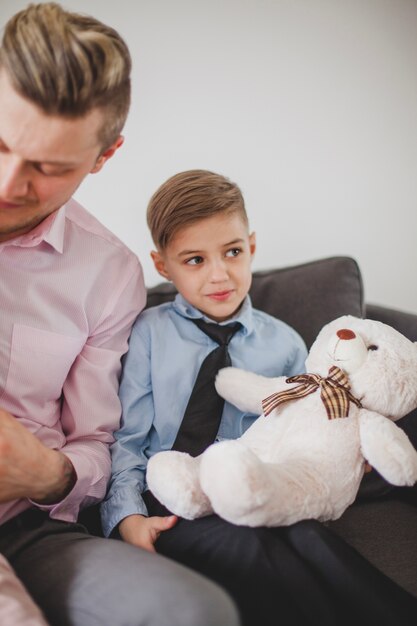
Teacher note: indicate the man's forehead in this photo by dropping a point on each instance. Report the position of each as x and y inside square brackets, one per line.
[37, 136]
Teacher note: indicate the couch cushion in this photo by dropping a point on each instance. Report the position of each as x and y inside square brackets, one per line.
[405, 323]
[306, 296]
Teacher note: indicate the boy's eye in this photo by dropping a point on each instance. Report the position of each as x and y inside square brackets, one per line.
[195, 260]
[233, 252]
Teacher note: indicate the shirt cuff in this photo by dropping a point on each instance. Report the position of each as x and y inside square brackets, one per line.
[127, 501]
[90, 486]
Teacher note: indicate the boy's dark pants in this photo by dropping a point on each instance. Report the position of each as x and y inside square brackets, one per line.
[296, 575]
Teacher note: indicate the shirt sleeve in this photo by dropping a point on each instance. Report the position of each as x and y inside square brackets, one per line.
[129, 451]
[90, 404]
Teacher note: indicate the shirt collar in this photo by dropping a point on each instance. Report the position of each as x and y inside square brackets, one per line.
[54, 235]
[51, 230]
[244, 315]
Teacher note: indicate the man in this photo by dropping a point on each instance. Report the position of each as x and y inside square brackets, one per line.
[70, 291]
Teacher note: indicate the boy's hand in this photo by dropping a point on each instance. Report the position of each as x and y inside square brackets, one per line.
[143, 531]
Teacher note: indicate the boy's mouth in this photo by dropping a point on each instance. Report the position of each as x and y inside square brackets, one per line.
[220, 295]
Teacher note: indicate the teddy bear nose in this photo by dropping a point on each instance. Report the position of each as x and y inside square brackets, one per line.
[346, 333]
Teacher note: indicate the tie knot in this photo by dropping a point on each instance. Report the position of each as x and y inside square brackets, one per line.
[220, 334]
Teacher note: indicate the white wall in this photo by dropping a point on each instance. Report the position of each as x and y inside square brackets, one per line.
[310, 105]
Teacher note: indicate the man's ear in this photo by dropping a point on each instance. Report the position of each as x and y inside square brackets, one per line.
[107, 154]
[252, 244]
[159, 262]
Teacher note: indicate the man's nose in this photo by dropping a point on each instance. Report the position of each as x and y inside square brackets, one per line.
[14, 181]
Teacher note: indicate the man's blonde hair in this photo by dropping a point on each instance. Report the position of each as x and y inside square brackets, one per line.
[188, 197]
[68, 64]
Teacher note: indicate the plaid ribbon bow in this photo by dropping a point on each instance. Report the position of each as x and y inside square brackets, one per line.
[334, 392]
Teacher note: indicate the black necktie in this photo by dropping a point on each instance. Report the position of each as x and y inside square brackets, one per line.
[204, 410]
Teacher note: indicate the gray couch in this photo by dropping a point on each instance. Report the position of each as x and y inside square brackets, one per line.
[382, 523]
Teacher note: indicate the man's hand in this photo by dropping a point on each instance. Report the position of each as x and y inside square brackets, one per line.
[28, 469]
[143, 531]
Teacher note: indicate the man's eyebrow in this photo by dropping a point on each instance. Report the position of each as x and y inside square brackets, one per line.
[56, 163]
[42, 161]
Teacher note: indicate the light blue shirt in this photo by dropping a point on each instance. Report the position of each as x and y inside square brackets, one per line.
[165, 354]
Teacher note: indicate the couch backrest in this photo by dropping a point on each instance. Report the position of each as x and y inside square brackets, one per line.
[306, 296]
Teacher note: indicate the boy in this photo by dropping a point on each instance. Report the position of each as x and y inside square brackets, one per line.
[300, 574]
[200, 229]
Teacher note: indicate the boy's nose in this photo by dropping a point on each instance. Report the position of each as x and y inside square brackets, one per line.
[218, 271]
[14, 182]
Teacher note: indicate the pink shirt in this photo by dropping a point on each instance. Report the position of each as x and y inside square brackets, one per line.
[69, 294]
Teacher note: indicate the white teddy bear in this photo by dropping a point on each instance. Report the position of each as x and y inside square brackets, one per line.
[305, 456]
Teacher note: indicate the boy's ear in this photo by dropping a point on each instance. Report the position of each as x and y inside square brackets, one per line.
[252, 243]
[158, 261]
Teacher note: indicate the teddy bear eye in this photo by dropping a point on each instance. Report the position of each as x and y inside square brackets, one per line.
[372, 347]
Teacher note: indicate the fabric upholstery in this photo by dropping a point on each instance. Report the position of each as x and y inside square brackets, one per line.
[405, 322]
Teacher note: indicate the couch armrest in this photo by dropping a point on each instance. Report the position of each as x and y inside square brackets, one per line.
[405, 323]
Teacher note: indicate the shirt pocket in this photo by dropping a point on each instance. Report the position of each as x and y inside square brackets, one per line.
[39, 364]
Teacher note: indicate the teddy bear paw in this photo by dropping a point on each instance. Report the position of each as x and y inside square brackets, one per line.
[173, 478]
[232, 478]
[403, 470]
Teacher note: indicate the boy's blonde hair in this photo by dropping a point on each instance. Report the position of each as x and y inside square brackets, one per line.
[68, 64]
[188, 197]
